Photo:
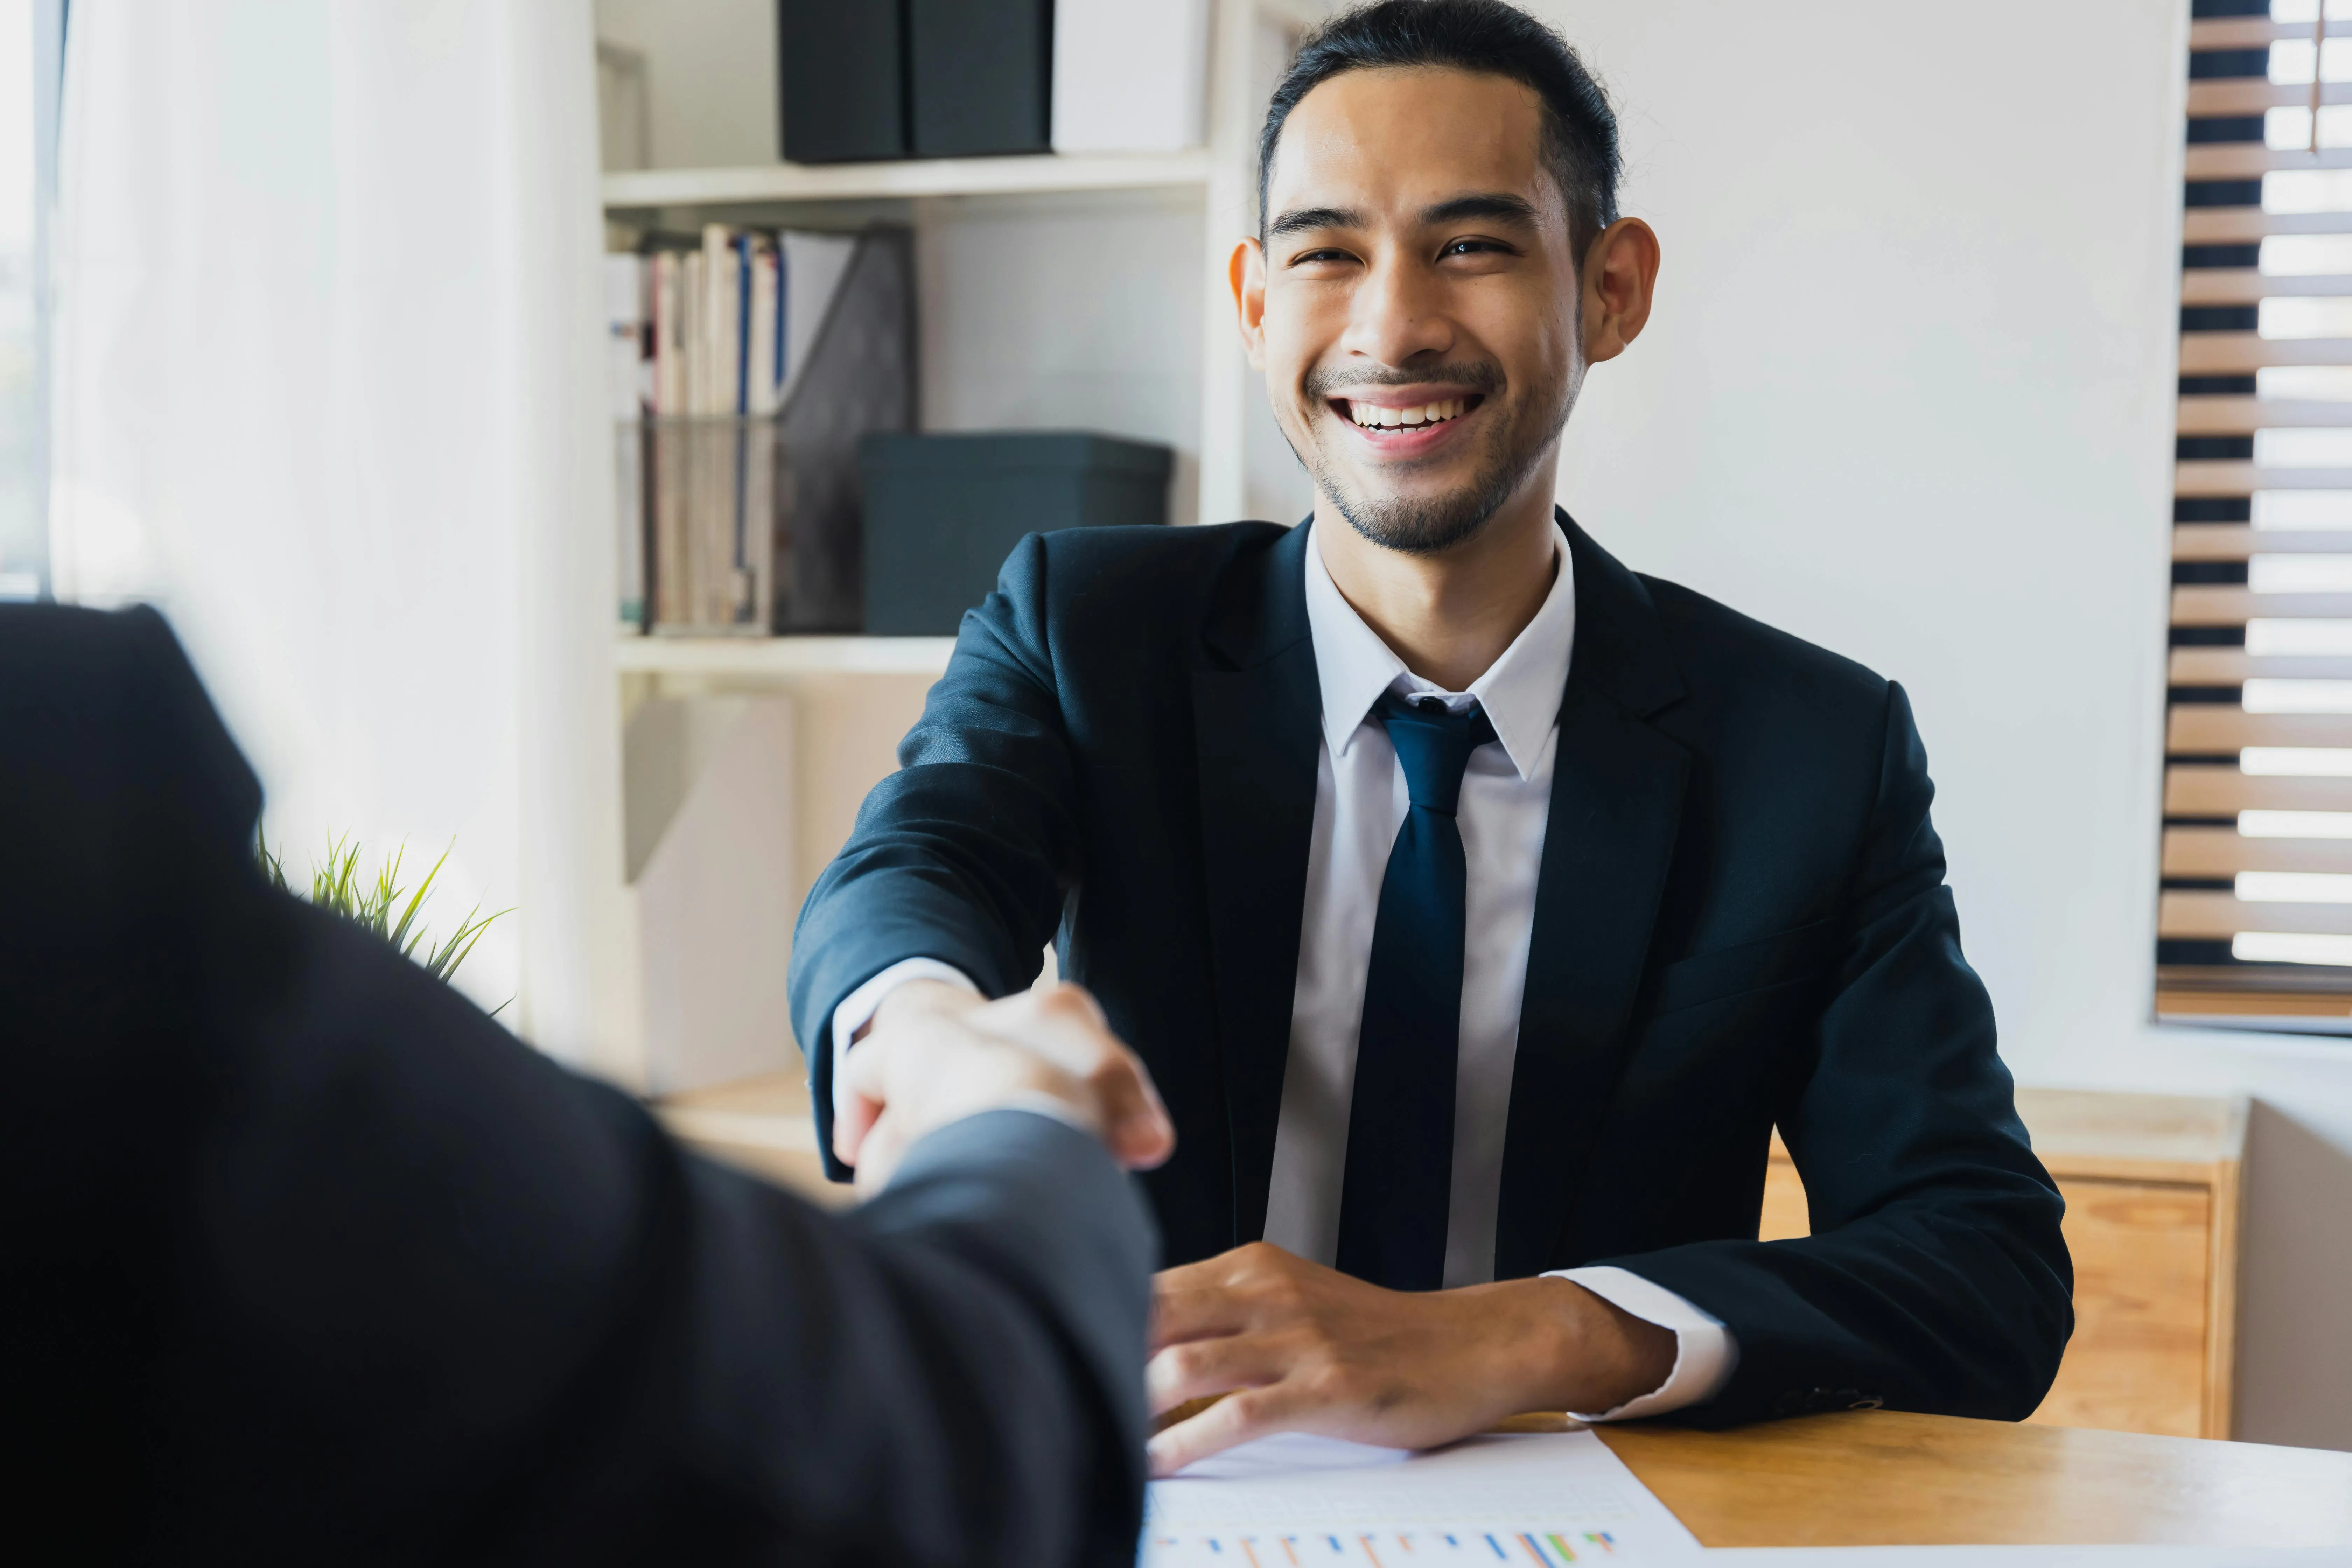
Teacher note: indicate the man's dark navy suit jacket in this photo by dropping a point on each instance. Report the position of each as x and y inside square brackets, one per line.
[1740, 922]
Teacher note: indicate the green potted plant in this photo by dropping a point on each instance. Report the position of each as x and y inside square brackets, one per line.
[338, 887]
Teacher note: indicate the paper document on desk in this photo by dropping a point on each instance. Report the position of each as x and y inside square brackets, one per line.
[2140, 1556]
[1533, 1500]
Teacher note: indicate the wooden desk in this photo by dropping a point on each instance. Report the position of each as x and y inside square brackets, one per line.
[1886, 1478]
[2153, 1186]
[1883, 1478]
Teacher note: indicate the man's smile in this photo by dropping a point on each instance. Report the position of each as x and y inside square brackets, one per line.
[1407, 421]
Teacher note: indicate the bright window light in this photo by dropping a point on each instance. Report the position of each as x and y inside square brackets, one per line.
[2307, 190]
[2282, 573]
[2307, 383]
[2294, 888]
[2273, 635]
[2304, 316]
[2307, 255]
[2307, 10]
[2302, 509]
[23, 518]
[2288, 128]
[2309, 448]
[2291, 60]
[2296, 762]
[2290, 947]
[2294, 825]
[2296, 697]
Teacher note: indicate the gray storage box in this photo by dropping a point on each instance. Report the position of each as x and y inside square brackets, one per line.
[980, 77]
[843, 78]
[943, 511]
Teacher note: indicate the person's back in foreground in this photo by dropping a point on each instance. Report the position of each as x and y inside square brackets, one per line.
[305, 1260]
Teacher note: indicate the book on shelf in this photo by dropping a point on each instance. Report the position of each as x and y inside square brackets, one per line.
[724, 328]
[745, 364]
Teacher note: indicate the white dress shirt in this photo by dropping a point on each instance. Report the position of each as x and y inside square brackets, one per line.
[1361, 802]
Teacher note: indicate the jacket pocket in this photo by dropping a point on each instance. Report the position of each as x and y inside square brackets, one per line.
[1795, 954]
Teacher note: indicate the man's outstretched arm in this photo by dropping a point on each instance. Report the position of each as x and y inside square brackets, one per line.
[964, 855]
[304, 1254]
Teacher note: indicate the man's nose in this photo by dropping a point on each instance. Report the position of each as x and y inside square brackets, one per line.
[1398, 313]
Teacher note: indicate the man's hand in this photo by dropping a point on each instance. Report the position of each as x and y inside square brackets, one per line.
[1297, 1347]
[945, 1057]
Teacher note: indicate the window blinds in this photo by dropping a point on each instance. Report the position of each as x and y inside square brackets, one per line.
[2255, 918]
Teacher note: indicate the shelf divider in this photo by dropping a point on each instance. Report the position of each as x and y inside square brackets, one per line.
[641, 189]
[781, 657]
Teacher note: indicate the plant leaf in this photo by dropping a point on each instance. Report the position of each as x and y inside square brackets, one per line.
[400, 937]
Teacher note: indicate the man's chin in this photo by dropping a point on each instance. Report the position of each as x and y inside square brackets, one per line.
[1415, 521]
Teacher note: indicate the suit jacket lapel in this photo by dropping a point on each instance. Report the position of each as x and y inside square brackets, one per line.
[1616, 804]
[1256, 715]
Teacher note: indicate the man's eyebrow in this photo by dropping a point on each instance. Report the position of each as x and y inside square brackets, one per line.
[1300, 219]
[1494, 205]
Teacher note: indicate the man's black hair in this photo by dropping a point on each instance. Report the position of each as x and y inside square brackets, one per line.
[1580, 130]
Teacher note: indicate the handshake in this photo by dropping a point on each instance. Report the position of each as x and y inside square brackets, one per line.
[937, 1053]
[1256, 1340]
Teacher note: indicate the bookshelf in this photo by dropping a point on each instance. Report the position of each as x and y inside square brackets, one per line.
[780, 658]
[644, 190]
[1130, 249]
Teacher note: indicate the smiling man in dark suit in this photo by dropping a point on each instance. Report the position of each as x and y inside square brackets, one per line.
[1480, 906]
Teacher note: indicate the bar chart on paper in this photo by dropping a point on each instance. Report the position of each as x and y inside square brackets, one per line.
[1380, 1548]
[1536, 1501]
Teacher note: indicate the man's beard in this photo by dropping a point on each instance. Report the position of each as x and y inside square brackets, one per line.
[1515, 442]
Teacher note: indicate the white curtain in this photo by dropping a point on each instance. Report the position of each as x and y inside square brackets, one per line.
[328, 390]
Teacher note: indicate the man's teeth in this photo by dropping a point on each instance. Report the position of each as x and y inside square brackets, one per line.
[1370, 415]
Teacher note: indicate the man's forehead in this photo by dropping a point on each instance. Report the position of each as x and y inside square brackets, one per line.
[1413, 136]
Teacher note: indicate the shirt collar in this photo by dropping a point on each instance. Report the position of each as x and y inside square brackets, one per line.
[1521, 691]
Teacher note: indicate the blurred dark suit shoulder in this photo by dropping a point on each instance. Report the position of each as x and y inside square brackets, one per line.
[304, 1258]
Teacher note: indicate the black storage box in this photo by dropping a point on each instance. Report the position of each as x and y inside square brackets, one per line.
[943, 511]
[844, 79]
[980, 77]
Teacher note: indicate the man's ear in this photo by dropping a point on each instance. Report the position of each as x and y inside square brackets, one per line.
[1621, 274]
[1246, 272]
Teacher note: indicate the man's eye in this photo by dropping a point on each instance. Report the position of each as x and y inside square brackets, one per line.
[1470, 247]
[1318, 255]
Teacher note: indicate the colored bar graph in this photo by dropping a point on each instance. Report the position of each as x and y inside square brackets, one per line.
[1391, 1547]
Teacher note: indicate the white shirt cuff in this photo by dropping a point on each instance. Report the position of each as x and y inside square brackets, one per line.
[857, 1009]
[1705, 1353]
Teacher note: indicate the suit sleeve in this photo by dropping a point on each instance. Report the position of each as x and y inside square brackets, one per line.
[307, 1259]
[966, 853]
[1936, 1277]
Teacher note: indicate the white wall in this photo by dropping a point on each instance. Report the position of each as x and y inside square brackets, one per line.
[710, 77]
[329, 388]
[1908, 393]
[1078, 312]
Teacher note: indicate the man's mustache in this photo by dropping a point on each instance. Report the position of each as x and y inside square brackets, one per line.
[1470, 377]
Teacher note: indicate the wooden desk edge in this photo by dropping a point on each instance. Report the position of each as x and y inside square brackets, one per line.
[1897, 1478]
[1950, 1481]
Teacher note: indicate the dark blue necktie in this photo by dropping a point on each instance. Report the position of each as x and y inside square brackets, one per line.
[1392, 1201]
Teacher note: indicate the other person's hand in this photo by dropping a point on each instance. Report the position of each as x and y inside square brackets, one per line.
[947, 1057]
[1297, 1347]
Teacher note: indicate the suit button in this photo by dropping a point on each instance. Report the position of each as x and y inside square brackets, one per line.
[1867, 1402]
